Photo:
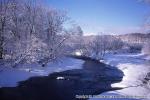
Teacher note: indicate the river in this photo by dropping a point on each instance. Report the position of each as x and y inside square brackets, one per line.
[94, 78]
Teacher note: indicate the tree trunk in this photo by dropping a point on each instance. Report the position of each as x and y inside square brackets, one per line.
[1, 48]
[1, 53]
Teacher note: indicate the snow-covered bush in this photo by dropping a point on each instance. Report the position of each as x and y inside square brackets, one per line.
[115, 44]
[135, 48]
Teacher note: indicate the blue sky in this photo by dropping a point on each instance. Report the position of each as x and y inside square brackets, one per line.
[108, 16]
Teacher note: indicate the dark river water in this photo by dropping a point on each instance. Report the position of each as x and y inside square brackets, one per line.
[93, 79]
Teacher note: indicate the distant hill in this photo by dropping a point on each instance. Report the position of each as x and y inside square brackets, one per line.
[135, 37]
[128, 38]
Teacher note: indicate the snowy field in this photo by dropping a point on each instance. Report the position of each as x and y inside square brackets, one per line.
[9, 77]
[135, 67]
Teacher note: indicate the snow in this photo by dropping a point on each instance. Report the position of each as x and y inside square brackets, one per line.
[60, 78]
[135, 68]
[9, 77]
[77, 53]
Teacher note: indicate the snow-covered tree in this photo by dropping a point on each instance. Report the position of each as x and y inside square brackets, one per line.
[29, 32]
[99, 46]
[146, 48]
[76, 39]
[114, 43]
[4, 5]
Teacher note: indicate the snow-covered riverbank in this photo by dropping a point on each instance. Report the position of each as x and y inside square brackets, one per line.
[10, 76]
[135, 68]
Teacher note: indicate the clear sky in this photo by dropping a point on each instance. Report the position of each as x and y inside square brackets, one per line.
[108, 16]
